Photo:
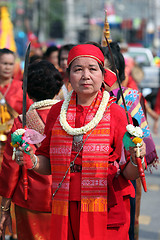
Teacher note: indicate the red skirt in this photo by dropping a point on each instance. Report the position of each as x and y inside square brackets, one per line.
[157, 104]
[32, 225]
[113, 233]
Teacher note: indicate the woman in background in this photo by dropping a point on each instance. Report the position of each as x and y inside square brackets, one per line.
[32, 215]
[134, 107]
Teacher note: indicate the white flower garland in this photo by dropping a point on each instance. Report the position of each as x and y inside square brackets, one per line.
[43, 103]
[77, 131]
[19, 131]
[134, 131]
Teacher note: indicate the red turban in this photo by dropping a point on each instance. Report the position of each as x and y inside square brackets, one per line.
[86, 50]
[92, 51]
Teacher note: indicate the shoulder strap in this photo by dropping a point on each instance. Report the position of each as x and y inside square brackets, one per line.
[34, 121]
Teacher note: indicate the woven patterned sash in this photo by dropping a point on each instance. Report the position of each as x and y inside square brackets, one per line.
[134, 108]
[94, 174]
[34, 121]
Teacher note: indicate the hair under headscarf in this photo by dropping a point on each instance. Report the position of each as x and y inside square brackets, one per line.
[92, 51]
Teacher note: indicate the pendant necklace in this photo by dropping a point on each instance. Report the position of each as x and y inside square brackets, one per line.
[77, 142]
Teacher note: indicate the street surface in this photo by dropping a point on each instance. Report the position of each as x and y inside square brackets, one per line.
[150, 202]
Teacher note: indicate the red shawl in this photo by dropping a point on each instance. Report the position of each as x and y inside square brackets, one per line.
[93, 218]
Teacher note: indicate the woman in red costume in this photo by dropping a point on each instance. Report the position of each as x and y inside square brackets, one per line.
[157, 110]
[82, 151]
[134, 107]
[33, 214]
[10, 88]
[11, 102]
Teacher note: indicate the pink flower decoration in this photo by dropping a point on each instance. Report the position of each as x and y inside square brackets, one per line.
[33, 137]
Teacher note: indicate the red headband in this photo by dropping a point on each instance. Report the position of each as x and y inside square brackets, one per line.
[89, 50]
[86, 50]
[109, 77]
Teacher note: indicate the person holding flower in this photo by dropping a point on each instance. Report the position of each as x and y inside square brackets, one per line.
[82, 151]
[137, 111]
[157, 110]
[32, 214]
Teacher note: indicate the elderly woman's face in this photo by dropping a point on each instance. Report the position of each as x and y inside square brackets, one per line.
[86, 76]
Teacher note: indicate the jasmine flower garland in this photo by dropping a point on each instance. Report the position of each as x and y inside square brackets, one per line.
[43, 103]
[134, 131]
[83, 130]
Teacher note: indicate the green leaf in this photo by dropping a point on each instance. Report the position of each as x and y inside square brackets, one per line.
[127, 141]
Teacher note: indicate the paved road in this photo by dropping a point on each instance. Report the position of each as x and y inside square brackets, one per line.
[150, 202]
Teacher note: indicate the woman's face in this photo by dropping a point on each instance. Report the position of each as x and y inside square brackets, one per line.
[63, 60]
[6, 66]
[86, 76]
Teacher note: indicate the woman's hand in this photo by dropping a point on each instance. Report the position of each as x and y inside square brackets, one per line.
[39, 163]
[19, 156]
[142, 151]
[131, 171]
[5, 220]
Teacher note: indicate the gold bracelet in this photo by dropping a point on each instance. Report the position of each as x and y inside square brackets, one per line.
[4, 209]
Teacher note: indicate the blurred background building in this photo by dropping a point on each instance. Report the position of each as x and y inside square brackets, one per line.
[65, 21]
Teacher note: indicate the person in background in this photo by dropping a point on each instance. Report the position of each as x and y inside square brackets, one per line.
[133, 76]
[129, 80]
[62, 61]
[11, 100]
[157, 110]
[33, 214]
[135, 109]
[51, 55]
[18, 72]
[35, 58]
[93, 200]
[11, 93]
[36, 48]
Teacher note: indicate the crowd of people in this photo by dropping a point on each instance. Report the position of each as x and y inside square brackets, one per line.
[82, 181]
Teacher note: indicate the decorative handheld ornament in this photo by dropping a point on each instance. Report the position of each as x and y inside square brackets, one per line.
[17, 140]
[133, 138]
[22, 137]
[127, 137]
[25, 75]
[106, 32]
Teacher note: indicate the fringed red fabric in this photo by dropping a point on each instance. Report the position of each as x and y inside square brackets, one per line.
[32, 225]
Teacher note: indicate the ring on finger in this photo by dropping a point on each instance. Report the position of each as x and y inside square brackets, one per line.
[17, 153]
